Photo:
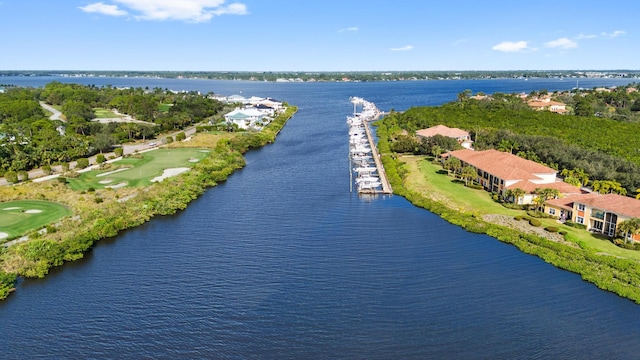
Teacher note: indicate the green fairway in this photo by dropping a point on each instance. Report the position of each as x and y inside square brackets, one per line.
[134, 171]
[104, 113]
[20, 217]
[164, 108]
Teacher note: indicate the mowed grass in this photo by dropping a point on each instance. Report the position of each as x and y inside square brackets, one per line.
[425, 178]
[22, 216]
[164, 108]
[102, 113]
[134, 172]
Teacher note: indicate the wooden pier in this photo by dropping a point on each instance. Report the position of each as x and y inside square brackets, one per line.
[386, 187]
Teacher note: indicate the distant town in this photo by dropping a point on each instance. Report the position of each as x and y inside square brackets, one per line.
[347, 76]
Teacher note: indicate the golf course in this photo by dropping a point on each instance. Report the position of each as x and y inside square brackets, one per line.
[20, 217]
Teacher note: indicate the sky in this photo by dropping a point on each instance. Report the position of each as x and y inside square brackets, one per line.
[319, 35]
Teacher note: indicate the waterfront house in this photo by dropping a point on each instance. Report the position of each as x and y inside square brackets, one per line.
[599, 213]
[498, 171]
[244, 118]
[547, 104]
[462, 136]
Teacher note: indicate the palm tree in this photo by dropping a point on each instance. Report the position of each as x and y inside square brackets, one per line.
[628, 228]
[468, 173]
[544, 195]
[436, 150]
[516, 194]
[452, 164]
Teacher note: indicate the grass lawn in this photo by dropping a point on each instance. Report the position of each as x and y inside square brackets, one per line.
[20, 217]
[104, 113]
[425, 178]
[164, 108]
[134, 171]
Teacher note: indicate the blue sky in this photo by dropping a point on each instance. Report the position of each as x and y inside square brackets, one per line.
[318, 35]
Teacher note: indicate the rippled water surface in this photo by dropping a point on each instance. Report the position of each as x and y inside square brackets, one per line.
[282, 261]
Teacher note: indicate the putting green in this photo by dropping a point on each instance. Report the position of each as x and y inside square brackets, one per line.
[138, 171]
[20, 217]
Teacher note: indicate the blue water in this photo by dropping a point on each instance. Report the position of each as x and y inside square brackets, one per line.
[283, 262]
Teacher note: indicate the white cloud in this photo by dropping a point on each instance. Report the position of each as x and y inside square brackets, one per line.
[353, 28]
[183, 10]
[511, 46]
[613, 34]
[404, 48]
[104, 9]
[563, 43]
[583, 36]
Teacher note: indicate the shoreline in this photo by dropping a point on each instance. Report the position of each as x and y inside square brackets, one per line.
[93, 222]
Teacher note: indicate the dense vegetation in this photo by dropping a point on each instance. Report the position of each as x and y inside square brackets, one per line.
[119, 209]
[28, 139]
[604, 148]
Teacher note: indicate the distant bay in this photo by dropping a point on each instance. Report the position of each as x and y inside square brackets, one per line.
[282, 261]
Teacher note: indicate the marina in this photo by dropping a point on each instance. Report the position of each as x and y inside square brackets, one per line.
[365, 167]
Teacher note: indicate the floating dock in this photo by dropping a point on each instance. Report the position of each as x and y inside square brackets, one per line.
[368, 175]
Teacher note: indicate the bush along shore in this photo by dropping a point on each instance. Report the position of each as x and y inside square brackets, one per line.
[618, 275]
[103, 214]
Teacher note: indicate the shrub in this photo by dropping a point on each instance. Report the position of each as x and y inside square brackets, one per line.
[169, 139]
[475, 186]
[91, 189]
[23, 175]
[180, 136]
[65, 167]
[551, 229]
[98, 199]
[535, 222]
[538, 214]
[62, 180]
[47, 169]
[575, 225]
[562, 232]
[82, 163]
[118, 151]
[11, 177]
[100, 158]
[518, 217]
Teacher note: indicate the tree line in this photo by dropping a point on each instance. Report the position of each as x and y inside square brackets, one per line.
[28, 139]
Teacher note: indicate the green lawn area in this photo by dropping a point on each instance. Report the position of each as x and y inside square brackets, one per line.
[102, 113]
[20, 217]
[133, 171]
[425, 178]
[164, 107]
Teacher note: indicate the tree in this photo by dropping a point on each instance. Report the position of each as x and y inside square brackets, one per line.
[436, 151]
[100, 158]
[507, 146]
[628, 228]
[543, 195]
[515, 193]
[11, 177]
[452, 164]
[468, 173]
[82, 163]
[608, 187]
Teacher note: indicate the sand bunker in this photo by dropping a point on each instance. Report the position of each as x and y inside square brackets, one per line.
[193, 160]
[168, 173]
[105, 181]
[3, 235]
[11, 208]
[33, 211]
[117, 186]
[204, 151]
[112, 172]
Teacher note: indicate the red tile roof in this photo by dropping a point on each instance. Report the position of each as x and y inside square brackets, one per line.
[621, 205]
[567, 201]
[531, 187]
[504, 165]
[442, 130]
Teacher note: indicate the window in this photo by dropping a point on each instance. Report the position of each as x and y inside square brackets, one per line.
[552, 211]
[579, 219]
[598, 214]
[598, 225]
[580, 207]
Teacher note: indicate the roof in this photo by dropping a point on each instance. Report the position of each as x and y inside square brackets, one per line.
[544, 103]
[531, 187]
[442, 130]
[622, 205]
[504, 165]
[567, 201]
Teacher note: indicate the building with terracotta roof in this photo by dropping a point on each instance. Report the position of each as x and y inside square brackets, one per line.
[462, 136]
[499, 171]
[553, 106]
[599, 213]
